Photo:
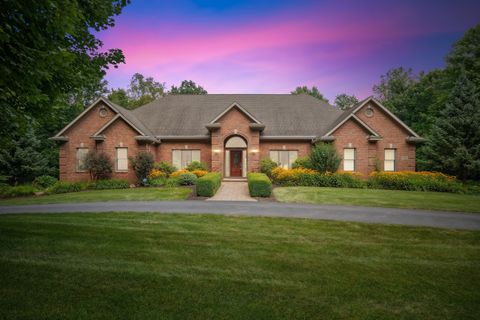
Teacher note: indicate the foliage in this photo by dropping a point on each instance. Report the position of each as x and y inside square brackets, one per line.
[187, 87]
[111, 184]
[414, 181]
[99, 165]
[302, 162]
[196, 165]
[43, 182]
[17, 191]
[156, 173]
[199, 173]
[208, 185]
[24, 160]
[324, 158]
[177, 173]
[157, 182]
[142, 164]
[454, 146]
[259, 185]
[172, 182]
[65, 187]
[267, 165]
[345, 101]
[187, 179]
[314, 92]
[392, 86]
[312, 178]
[165, 167]
[140, 91]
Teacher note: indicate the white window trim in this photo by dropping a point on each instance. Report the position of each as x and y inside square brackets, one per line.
[77, 169]
[116, 160]
[394, 159]
[184, 165]
[354, 160]
[289, 166]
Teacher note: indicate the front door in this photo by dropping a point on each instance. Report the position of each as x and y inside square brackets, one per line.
[235, 163]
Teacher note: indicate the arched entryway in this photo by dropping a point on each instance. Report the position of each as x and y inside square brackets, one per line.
[235, 157]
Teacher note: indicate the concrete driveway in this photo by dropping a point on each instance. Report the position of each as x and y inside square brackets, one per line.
[409, 217]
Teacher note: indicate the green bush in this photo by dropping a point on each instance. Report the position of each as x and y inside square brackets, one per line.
[267, 165]
[312, 178]
[43, 182]
[17, 191]
[415, 181]
[172, 182]
[259, 185]
[208, 185]
[110, 184]
[302, 162]
[197, 165]
[324, 158]
[165, 167]
[65, 187]
[157, 182]
[142, 164]
[187, 179]
[99, 165]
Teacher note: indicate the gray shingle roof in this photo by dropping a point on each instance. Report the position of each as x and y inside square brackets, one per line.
[282, 114]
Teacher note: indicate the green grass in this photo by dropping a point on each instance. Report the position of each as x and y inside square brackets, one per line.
[133, 194]
[154, 266]
[380, 198]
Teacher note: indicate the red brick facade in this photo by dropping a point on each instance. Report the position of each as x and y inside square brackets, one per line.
[235, 122]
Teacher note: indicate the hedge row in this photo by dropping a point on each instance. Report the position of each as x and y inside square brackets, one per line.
[65, 186]
[208, 184]
[311, 178]
[259, 185]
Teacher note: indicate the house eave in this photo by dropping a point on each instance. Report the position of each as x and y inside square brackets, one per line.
[148, 139]
[183, 138]
[415, 140]
[286, 138]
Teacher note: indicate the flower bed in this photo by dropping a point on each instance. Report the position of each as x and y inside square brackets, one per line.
[312, 178]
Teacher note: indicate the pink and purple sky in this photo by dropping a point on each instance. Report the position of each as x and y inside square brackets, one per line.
[273, 46]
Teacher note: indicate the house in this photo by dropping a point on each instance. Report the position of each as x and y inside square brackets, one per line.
[232, 132]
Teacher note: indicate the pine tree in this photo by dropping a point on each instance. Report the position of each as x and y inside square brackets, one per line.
[454, 145]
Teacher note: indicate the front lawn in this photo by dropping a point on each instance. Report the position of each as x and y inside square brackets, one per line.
[380, 198]
[153, 266]
[132, 194]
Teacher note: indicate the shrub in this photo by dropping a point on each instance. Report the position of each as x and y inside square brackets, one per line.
[156, 173]
[157, 182]
[99, 165]
[324, 158]
[172, 182]
[415, 181]
[267, 165]
[177, 173]
[43, 182]
[17, 191]
[199, 173]
[165, 167]
[64, 187]
[208, 185]
[312, 178]
[259, 185]
[302, 162]
[283, 176]
[197, 165]
[187, 179]
[142, 164]
[110, 184]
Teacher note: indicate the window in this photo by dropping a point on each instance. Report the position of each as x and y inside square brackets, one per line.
[182, 158]
[284, 158]
[122, 159]
[81, 154]
[389, 161]
[348, 159]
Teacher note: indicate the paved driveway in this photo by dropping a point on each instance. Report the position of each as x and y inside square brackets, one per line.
[269, 209]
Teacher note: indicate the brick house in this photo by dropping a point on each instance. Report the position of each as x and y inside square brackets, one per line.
[232, 132]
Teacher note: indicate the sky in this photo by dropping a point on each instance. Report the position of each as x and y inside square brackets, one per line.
[274, 46]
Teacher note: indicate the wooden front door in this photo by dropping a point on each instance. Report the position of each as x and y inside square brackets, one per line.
[235, 163]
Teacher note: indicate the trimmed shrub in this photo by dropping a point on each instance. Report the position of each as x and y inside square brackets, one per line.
[110, 184]
[259, 185]
[267, 165]
[324, 158]
[172, 182]
[302, 162]
[208, 185]
[17, 191]
[415, 181]
[65, 187]
[199, 173]
[43, 182]
[197, 165]
[187, 179]
[165, 167]
[157, 182]
[99, 165]
[142, 164]
[177, 173]
[312, 178]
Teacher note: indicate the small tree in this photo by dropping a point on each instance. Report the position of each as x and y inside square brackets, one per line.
[142, 164]
[324, 158]
[99, 165]
[267, 165]
[197, 165]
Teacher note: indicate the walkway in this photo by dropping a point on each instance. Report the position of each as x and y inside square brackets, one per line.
[269, 209]
[232, 191]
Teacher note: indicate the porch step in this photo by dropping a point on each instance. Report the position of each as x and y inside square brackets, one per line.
[234, 179]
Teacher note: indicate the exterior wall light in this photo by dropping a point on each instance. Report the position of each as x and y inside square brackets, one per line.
[254, 150]
[216, 151]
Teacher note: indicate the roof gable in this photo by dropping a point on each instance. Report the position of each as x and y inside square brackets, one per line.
[240, 108]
